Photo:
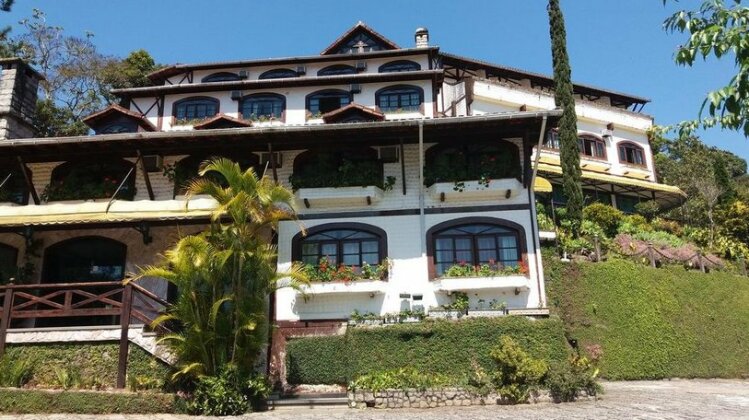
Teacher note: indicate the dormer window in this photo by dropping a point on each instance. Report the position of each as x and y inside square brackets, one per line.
[262, 105]
[196, 108]
[399, 65]
[632, 154]
[118, 128]
[278, 74]
[400, 98]
[591, 147]
[336, 70]
[323, 101]
[223, 76]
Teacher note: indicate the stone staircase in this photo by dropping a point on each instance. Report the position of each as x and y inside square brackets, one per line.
[308, 401]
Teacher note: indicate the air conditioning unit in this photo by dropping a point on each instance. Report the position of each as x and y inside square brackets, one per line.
[301, 70]
[244, 74]
[265, 159]
[361, 65]
[388, 154]
[236, 95]
[355, 88]
[153, 163]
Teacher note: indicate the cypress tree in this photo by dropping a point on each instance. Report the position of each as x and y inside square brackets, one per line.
[563, 97]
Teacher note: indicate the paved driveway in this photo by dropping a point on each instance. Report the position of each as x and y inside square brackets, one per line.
[676, 399]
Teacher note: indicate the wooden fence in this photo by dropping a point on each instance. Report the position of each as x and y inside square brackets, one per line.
[87, 300]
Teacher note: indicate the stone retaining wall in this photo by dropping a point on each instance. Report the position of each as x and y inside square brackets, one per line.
[431, 398]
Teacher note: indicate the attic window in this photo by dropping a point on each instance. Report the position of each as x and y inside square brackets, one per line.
[278, 74]
[223, 76]
[336, 70]
[360, 43]
[399, 65]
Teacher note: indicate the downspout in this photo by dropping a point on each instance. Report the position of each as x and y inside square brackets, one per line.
[422, 220]
[534, 216]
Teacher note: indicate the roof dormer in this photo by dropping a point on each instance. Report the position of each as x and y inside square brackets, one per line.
[116, 119]
[360, 38]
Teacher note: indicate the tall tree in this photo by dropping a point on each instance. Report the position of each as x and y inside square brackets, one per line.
[563, 97]
[717, 30]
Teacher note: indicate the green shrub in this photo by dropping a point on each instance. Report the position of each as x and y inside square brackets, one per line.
[67, 377]
[605, 216]
[670, 226]
[403, 378]
[648, 209]
[445, 347]
[659, 238]
[566, 380]
[15, 373]
[219, 395]
[634, 223]
[516, 373]
[29, 401]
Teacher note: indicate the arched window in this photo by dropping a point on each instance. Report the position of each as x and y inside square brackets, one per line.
[197, 107]
[476, 241]
[632, 154]
[262, 105]
[399, 65]
[278, 74]
[471, 161]
[328, 100]
[82, 180]
[399, 98]
[8, 263]
[336, 69]
[223, 76]
[118, 128]
[14, 190]
[187, 169]
[337, 168]
[551, 141]
[591, 147]
[351, 244]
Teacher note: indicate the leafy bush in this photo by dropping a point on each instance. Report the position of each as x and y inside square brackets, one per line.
[659, 238]
[445, 347]
[565, 380]
[634, 223]
[403, 378]
[670, 226]
[605, 216]
[544, 221]
[648, 209]
[15, 373]
[68, 377]
[516, 374]
[219, 395]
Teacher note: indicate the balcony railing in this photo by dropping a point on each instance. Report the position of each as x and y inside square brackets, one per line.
[80, 300]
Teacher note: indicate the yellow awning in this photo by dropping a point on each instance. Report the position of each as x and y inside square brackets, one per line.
[542, 185]
[617, 180]
[595, 167]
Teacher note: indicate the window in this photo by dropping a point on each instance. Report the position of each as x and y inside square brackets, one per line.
[632, 154]
[626, 203]
[361, 42]
[552, 140]
[262, 105]
[399, 65]
[118, 128]
[351, 244]
[483, 242]
[591, 147]
[8, 263]
[278, 74]
[195, 108]
[471, 161]
[399, 98]
[223, 76]
[595, 196]
[337, 168]
[187, 169]
[327, 100]
[85, 180]
[336, 69]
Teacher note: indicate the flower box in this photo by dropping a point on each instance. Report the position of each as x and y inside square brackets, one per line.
[460, 284]
[498, 189]
[445, 314]
[365, 322]
[371, 287]
[486, 313]
[342, 196]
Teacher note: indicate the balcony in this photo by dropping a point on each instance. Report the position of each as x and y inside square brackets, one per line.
[499, 189]
[340, 196]
[464, 284]
[370, 287]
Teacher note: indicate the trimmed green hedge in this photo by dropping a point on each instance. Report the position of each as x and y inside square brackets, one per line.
[441, 347]
[654, 323]
[27, 401]
[92, 360]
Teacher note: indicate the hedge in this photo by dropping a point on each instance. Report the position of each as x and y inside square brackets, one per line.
[28, 401]
[441, 346]
[91, 360]
[654, 323]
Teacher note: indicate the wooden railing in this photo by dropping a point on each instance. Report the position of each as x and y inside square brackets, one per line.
[80, 300]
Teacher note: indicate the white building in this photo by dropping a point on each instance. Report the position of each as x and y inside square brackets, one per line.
[409, 158]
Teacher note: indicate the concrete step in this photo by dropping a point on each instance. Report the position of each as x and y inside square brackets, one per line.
[336, 400]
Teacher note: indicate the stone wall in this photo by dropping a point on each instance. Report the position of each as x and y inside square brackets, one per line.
[18, 95]
[432, 398]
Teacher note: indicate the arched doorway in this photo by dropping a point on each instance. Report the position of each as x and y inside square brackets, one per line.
[82, 260]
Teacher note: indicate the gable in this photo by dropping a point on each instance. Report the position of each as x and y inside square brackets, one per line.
[360, 38]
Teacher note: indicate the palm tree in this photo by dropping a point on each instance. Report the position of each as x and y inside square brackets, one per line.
[225, 275]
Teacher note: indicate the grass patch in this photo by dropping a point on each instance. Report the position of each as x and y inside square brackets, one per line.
[442, 347]
[31, 401]
[654, 323]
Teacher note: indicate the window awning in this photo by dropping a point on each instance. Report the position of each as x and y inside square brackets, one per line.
[542, 185]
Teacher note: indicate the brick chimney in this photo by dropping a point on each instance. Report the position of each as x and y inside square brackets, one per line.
[18, 94]
[422, 37]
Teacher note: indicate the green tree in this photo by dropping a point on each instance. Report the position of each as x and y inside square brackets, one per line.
[225, 275]
[130, 72]
[717, 30]
[563, 97]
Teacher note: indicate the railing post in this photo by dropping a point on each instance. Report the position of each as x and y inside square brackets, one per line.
[597, 245]
[127, 299]
[651, 254]
[742, 266]
[700, 260]
[5, 316]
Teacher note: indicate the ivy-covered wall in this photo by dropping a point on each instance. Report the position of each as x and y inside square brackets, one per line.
[440, 346]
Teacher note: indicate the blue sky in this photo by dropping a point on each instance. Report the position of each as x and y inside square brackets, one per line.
[618, 45]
